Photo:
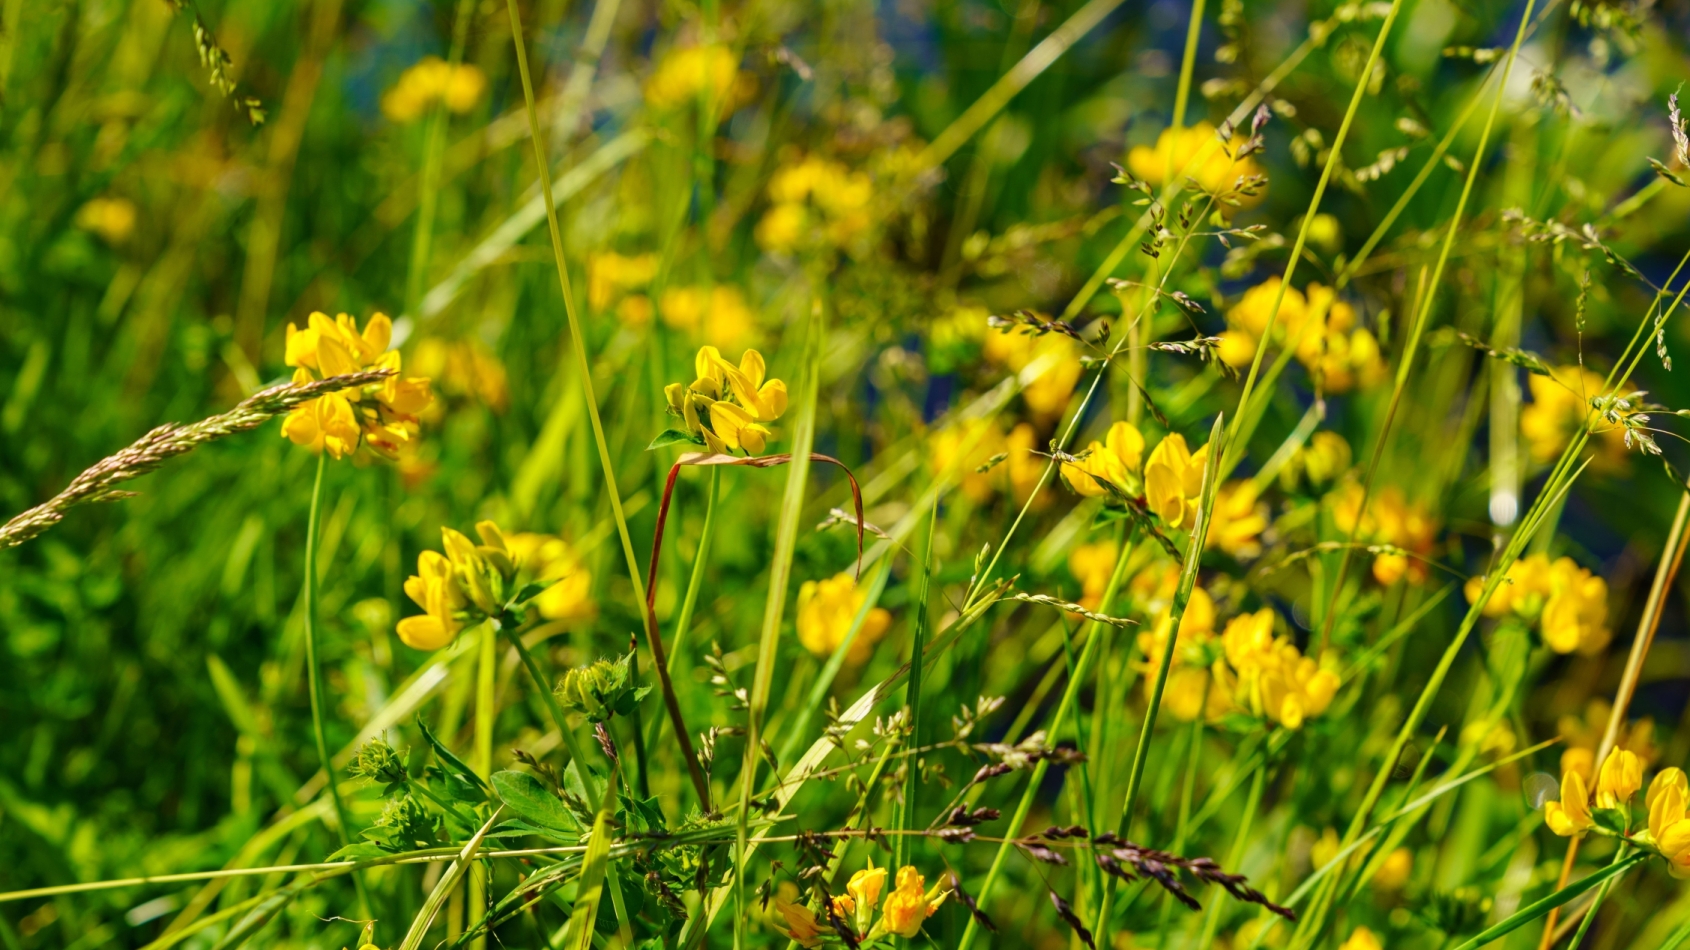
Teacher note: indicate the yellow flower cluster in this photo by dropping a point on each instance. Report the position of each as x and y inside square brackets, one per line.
[720, 312]
[1558, 408]
[382, 416]
[688, 72]
[1240, 518]
[1187, 694]
[467, 584]
[464, 368]
[814, 199]
[611, 277]
[1390, 519]
[1092, 564]
[981, 440]
[1362, 939]
[1669, 819]
[1175, 149]
[723, 424]
[1273, 677]
[1048, 393]
[433, 80]
[905, 909]
[826, 609]
[1322, 461]
[1321, 327]
[1569, 604]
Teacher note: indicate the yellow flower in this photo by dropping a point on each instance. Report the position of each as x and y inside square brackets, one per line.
[1666, 780]
[1048, 393]
[764, 401]
[1571, 815]
[432, 80]
[1394, 872]
[1176, 148]
[1558, 408]
[549, 558]
[722, 424]
[1109, 465]
[436, 591]
[801, 924]
[1362, 939]
[909, 905]
[864, 889]
[1569, 604]
[1091, 564]
[1325, 848]
[685, 74]
[826, 610]
[1669, 827]
[1240, 519]
[610, 275]
[736, 428]
[838, 197]
[1188, 682]
[1274, 678]
[1620, 778]
[382, 416]
[1321, 326]
[1173, 481]
[721, 313]
[465, 369]
[1389, 519]
[111, 218]
[1321, 461]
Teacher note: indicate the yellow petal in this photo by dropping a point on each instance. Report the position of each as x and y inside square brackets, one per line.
[424, 633]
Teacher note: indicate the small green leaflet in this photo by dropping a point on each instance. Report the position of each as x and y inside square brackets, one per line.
[670, 437]
[533, 802]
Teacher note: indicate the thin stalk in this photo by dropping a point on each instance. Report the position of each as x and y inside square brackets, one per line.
[428, 183]
[486, 711]
[774, 608]
[1236, 445]
[1070, 692]
[907, 823]
[313, 675]
[584, 372]
[1176, 614]
[1426, 300]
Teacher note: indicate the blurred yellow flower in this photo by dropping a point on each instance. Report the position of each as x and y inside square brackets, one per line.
[1091, 564]
[814, 199]
[1395, 870]
[1173, 481]
[1568, 602]
[1362, 939]
[1240, 518]
[721, 313]
[1109, 466]
[1571, 815]
[1390, 519]
[1274, 678]
[465, 369]
[1019, 470]
[1322, 461]
[549, 558]
[909, 905]
[433, 80]
[1558, 409]
[1321, 326]
[801, 924]
[382, 415]
[1176, 148]
[1325, 848]
[1620, 778]
[610, 275]
[826, 610]
[111, 218]
[1669, 825]
[1047, 394]
[1188, 680]
[688, 72]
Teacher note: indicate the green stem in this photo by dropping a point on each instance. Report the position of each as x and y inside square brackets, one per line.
[901, 846]
[1595, 905]
[486, 666]
[313, 675]
[428, 184]
[570, 741]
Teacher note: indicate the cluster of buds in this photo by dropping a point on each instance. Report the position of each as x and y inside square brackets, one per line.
[727, 406]
[467, 585]
[602, 689]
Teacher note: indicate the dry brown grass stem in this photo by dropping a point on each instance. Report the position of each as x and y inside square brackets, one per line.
[97, 483]
[1671, 557]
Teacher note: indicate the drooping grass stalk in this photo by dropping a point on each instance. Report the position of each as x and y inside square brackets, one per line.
[1070, 695]
[774, 608]
[583, 370]
[313, 672]
[1176, 615]
[695, 583]
[1426, 300]
[1236, 445]
[428, 183]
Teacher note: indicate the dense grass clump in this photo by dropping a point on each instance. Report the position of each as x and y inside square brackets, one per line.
[1161, 475]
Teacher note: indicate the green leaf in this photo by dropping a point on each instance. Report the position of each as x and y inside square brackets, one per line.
[1531, 912]
[533, 802]
[670, 437]
[447, 757]
[358, 851]
[589, 887]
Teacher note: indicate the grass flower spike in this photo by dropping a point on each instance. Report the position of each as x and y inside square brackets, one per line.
[382, 416]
